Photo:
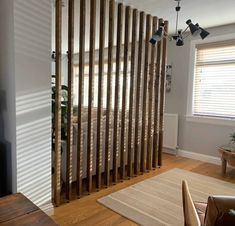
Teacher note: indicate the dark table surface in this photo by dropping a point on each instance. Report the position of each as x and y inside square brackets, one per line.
[18, 210]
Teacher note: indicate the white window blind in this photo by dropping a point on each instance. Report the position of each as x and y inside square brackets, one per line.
[214, 80]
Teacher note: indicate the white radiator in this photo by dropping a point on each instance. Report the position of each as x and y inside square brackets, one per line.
[170, 137]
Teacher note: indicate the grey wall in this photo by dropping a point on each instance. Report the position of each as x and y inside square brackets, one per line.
[196, 137]
[7, 95]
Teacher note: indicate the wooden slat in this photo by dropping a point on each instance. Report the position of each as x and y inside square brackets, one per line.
[91, 95]
[150, 101]
[57, 184]
[81, 95]
[68, 184]
[99, 148]
[131, 100]
[145, 96]
[117, 91]
[138, 95]
[124, 93]
[162, 94]
[157, 101]
[109, 93]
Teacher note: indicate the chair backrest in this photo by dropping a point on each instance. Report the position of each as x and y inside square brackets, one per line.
[190, 214]
[220, 211]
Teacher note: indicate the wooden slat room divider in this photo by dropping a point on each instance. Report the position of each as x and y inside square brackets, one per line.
[150, 100]
[162, 96]
[80, 91]
[145, 94]
[100, 96]
[108, 139]
[157, 84]
[121, 135]
[117, 94]
[130, 147]
[68, 186]
[57, 167]
[138, 95]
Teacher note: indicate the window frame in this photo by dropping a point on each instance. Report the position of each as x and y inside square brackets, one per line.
[189, 115]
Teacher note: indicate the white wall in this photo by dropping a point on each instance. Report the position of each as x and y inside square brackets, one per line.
[28, 76]
[195, 137]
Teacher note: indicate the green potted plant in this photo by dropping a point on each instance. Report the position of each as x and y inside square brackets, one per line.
[232, 136]
[64, 107]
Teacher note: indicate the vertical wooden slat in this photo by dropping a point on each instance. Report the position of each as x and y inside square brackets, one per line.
[145, 96]
[91, 95]
[138, 95]
[109, 93]
[68, 187]
[124, 94]
[100, 95]
[157, 101]
[162, 93]
[117, 99]
[81, 95]
[150, 106]
[57, 184]
[131, 100]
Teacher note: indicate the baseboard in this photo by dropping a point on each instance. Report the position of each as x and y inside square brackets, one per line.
[48, 209]
[170, 151]
[201, 157]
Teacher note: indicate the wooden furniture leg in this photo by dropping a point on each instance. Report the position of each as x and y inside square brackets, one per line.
[224, 165]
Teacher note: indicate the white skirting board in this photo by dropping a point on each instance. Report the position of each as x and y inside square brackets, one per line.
[196, 156]
[48, 209]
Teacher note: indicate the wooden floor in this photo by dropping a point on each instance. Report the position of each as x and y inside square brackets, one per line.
[86, 211]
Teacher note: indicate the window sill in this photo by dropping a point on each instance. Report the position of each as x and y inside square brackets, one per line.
[210, 120]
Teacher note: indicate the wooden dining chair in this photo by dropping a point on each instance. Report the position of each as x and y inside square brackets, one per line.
[191, 217]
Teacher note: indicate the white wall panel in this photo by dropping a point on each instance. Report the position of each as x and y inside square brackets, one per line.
[32, 24]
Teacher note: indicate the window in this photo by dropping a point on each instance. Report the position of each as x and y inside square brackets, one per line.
[214, 80]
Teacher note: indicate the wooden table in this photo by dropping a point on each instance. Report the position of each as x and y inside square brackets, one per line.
[17, 210]
[227, 157]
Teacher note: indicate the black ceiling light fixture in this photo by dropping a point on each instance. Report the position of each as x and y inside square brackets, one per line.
[158, 35]
[179, 36]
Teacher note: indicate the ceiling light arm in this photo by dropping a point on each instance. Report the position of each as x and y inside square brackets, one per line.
[185, 29]
[177, 9]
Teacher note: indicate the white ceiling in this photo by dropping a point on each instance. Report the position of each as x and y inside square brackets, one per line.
[208, 13]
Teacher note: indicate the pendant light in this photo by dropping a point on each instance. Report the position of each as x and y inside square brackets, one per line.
[179, 36]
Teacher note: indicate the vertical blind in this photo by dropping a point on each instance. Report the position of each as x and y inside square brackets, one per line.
[214, 80]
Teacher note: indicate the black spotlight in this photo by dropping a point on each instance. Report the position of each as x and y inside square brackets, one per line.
[179, 39]
[157, 35]
[195, 30]
[204, 33]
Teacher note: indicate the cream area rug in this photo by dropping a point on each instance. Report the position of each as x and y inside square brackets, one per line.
[158, 201]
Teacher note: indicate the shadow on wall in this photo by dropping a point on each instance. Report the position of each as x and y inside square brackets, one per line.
[5, 153]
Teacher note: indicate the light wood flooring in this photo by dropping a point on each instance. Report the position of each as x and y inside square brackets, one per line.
[86, 211]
